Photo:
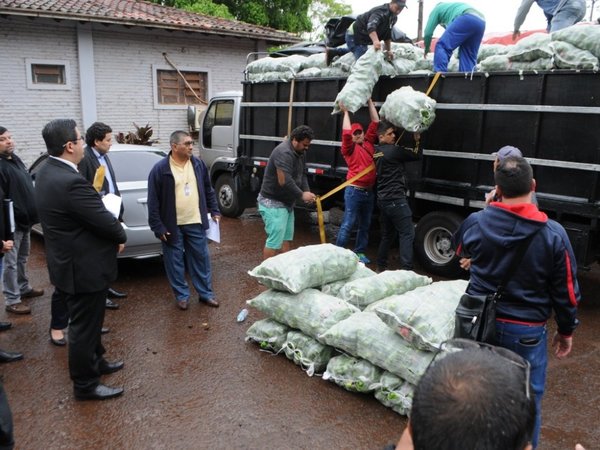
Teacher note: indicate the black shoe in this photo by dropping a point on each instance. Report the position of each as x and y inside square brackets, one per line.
[104, 330]
[100, 392]
[116, 294]
[111, 305]
[10, 356]
[5, 326]
[60, 342]
[110, 367]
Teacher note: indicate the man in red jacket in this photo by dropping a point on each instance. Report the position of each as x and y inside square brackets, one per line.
[359, 197]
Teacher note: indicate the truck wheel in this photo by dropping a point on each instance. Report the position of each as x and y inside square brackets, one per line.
[228, 197]
[433, 244]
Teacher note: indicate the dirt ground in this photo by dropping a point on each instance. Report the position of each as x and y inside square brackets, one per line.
[192, 382]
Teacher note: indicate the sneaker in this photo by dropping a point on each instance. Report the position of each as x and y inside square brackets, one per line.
[363, 258]
[18, 308]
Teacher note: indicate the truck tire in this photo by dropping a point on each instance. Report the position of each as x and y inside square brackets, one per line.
[433, 244]
[228, 197]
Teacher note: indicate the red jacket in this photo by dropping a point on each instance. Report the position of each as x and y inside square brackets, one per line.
[359, 157]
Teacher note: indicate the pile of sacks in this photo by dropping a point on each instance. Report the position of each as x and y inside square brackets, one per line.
[576, 47]
[367, 332]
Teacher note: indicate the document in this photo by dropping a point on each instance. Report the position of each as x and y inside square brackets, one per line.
[112, 202]
[213, 232]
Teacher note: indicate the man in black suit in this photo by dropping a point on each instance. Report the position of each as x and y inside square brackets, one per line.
[98, 138]
[82, 239]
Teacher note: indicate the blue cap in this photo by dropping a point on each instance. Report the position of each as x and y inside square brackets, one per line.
[507, 151]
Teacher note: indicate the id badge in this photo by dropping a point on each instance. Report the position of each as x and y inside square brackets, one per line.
[186, 190]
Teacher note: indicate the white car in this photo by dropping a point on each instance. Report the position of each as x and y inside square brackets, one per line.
[132, 164]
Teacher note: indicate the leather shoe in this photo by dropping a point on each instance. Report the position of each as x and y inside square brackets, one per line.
[33, 293]
[10, 356]
[18, 308]
[110, 367]
[210, 302]
[5, 326]
[104, 330]
[182, 304]
[60, 342]
[100, 392]
[112, 293]
[111, 305]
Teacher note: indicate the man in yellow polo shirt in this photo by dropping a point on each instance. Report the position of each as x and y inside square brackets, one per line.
[180, 197]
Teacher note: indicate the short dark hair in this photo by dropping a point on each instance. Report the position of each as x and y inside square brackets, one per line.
[57, 133]
[301, 133]
[3, 130]
[514, 177]
[383, 126]
[472, 399]
[176, 136]
[96, 132]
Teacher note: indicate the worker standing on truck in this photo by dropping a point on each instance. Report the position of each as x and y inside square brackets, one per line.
[395, 214]
[464, 30]
[357, 149]
[369, 28]
[559, 14]
[284, 183]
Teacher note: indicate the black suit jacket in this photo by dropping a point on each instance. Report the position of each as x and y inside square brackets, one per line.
[88, 166]
[81, 236]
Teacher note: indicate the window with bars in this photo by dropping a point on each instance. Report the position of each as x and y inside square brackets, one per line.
[173, 90]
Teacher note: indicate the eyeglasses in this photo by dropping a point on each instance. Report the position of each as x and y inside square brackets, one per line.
[456, 345]
[75, 141]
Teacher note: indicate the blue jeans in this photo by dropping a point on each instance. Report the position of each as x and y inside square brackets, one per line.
[567, 13]
[358, 209]
[14, 277]
[531, 343]
[395, 217]
[465, 32]
[351, 46]
[189, 248]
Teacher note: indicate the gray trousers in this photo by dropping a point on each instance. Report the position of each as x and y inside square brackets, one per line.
[14, 275]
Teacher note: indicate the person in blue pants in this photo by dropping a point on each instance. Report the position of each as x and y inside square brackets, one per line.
[464, 30]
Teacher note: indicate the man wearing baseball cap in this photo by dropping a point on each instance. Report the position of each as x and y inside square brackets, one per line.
[505, 152]
[359, 198]
[369, 28]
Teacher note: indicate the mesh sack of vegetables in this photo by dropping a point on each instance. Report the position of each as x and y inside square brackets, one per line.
[406, 51]
[364, 291]
[310, 311]
[361, 271]
[333, 72]
[409, 109]
[317, 60]
[311, 72]
[364, 335]
[567, 56]
[353, 374]
[269, 334]
[308, 353]
[530, 48]
[585, 37]
[395, 393]
[306, 267]
[425, 316]
[487, 50]
[360, 83]
[425, 63]
[293, 64]
[345, 62]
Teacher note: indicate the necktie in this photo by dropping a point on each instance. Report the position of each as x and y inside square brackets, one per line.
[99, 178]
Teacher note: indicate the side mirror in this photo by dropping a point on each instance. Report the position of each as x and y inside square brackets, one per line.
[194, 116]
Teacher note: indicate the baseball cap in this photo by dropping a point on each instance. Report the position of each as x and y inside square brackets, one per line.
[357, 127]
[507, 151]
[401, 3]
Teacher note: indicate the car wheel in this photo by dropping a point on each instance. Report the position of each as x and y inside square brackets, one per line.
[433, 244]
[228, 197]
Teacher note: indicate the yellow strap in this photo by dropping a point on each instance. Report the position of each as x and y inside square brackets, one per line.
[99, 178]
[321, 222]
[435, 78]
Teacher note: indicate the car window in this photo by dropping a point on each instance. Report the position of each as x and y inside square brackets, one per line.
[134, 166]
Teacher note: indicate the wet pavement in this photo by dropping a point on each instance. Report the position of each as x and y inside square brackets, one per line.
[192, 382]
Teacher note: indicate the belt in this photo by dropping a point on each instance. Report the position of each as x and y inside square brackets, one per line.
[361, 188]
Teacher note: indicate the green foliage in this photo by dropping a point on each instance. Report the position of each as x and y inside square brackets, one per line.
[320, 12]
[141, 136]
[206, 7]
[288, 15]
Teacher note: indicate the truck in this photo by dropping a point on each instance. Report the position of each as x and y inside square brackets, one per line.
[553, 117]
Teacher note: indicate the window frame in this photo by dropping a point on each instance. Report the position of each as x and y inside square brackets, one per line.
[156, 68]
[30, 62]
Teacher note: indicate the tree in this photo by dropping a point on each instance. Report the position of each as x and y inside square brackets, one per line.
[593, 6]
[207, 7]
[319, 12]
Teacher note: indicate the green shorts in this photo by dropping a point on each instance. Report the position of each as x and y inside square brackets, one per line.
[279, 225]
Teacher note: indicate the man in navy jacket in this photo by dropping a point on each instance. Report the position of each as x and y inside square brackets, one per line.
[545, 280]
[180, 197]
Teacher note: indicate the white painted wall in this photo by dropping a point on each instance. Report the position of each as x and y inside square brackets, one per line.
[123, 60]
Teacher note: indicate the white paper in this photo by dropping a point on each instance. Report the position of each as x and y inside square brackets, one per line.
[112, 203]
[213, 232]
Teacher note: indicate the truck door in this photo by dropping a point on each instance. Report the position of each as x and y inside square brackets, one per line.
[218, 131]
